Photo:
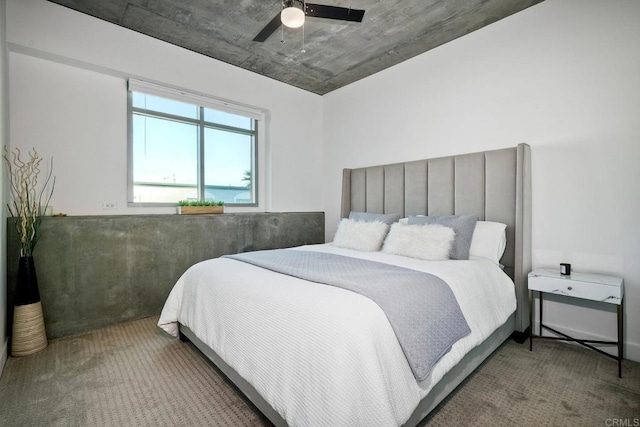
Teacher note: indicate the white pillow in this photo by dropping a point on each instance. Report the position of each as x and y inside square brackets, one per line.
[360, 235]
[430, 242]
[489, 240]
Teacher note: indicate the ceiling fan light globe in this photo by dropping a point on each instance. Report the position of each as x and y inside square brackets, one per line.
[292, 17]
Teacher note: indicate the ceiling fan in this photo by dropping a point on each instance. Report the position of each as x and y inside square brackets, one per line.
[294, 11]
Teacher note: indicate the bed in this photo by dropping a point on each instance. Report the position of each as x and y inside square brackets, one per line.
[338, 362]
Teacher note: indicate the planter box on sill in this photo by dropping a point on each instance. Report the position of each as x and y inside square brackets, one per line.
[195, 210]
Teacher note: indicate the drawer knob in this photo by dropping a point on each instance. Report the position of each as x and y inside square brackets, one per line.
[569, 287]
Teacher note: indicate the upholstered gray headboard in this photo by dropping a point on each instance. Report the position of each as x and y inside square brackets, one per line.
[494, 185]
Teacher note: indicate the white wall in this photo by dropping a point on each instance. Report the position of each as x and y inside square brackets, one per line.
[68, 99]
[562, 76]
[4, 139]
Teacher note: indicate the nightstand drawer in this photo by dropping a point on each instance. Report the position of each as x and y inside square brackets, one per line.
[576, 288]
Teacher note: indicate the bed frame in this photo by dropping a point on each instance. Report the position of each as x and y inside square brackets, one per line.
[494, 185]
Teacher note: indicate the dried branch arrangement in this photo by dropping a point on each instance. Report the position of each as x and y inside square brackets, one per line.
[28, 201]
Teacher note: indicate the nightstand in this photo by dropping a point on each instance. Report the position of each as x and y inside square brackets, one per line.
[595, 287]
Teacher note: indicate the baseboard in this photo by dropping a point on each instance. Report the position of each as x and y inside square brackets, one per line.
[4, 354]
[631, 350]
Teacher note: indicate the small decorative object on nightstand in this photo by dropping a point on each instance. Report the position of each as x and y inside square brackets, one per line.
[595, 287]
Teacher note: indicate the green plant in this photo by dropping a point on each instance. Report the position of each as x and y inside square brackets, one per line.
[247, 177]
[200, 203]
[28, 201]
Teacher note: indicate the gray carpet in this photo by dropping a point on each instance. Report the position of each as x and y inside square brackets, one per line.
[131, 374]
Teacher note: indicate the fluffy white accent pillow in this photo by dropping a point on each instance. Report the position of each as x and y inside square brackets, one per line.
[489, 240]
[360, 235]
[430, 242]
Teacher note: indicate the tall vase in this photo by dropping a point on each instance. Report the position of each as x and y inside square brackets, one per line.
[28, 335]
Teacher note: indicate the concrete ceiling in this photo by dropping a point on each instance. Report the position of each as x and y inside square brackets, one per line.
[336, 52]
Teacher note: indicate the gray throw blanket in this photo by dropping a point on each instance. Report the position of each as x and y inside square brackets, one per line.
[420, 307]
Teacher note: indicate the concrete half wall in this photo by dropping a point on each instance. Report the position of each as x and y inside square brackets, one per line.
[98, 270]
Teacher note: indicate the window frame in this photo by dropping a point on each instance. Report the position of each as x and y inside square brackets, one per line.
[201, 101]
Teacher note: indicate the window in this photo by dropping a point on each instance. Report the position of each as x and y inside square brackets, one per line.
[189, 147]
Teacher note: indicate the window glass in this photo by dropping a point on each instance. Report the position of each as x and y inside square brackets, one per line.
[164, 105]
[227, 119]
[165, 159]
[177, 154]
[228, 166]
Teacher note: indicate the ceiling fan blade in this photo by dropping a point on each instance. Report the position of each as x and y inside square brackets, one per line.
[270, 28]
[334, 12]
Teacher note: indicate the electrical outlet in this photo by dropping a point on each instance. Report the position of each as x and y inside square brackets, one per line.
[110, 205]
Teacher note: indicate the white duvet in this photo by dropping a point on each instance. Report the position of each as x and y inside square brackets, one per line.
[321, 355]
